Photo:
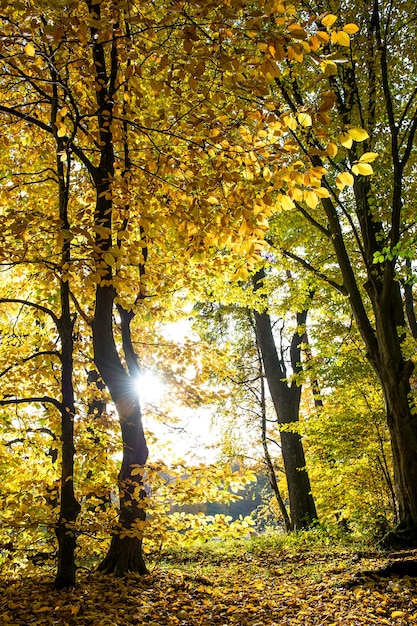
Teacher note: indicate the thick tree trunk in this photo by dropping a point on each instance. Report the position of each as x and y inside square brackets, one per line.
[286, 399]
[402, 426]
[125, 552]
[394, 373]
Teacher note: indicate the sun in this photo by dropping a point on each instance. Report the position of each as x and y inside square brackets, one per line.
[150, 387]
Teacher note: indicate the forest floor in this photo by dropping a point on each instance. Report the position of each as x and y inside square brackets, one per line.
[255, 583]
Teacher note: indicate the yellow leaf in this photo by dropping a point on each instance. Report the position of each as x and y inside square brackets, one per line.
[329, 68]
[358, 134]
[311, 199]
[29, 49]
[285, 202]
[346, 140]
[295, 52]
[343, 39]
[329, 20]
[248, 174]
[331, 149]
[213, 200]
[365, 169]
[322, 192]
[109, 258]
[289, 122]
[395, 614]
[245, 228]
[368, 157]
[241, 274]
[136, 471]
[267, 174]
[351, 29]
[41, 609]
[62, 131]
[297, 31]
[322, 36]
[296, 194]
[344, 179]
[304, 119]
[270, 68]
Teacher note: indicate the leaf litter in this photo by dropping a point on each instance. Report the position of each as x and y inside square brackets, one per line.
[252, 589]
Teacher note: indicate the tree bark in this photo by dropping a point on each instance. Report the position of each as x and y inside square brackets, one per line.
[269, 464]
[286, 400]
[394, 373]
[69, 506]
[125, 552]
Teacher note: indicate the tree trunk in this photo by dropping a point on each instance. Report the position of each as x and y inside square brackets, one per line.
[286, 400]
[69, 506]
[269, 464]
[394, 373]
[125, 552]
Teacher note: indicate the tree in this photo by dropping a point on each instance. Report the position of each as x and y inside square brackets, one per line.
[249, 336]
[286, 398]
[61, 316]
[137, 166]
[345, 432]
[335, 106]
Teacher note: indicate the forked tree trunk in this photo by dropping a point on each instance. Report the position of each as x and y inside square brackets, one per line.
[125, 552]
[384, 344]
[286, 400]
[274, 482]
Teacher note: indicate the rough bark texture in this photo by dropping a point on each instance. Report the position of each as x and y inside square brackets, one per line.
[125, 552]
[394, 373]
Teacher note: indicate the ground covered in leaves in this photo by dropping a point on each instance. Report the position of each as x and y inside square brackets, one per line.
[255, 583]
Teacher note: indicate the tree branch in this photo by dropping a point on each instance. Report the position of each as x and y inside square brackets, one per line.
[315, 271]
[34, 305]
[42, 399]
[29, 358]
